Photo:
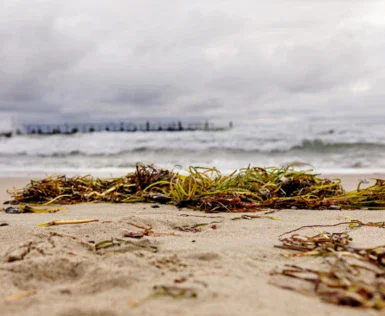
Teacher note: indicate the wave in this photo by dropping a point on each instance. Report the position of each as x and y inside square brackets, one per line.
[306, 146]
[318, 145]
[326, 144]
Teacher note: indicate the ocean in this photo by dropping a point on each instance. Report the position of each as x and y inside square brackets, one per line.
[330, 144]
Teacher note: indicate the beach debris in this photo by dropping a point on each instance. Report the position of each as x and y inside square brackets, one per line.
[204, 216]
[249, 189]
[197, 228]
[174, 291]
[321, 244]
[108, 243]
[343, 283]
[180, 279]
[146, 231]
[118, 242]
[162, 199]
[135, 234]
[19, 296]
[68, 222]
[220, 204]
[169, 262]
[4, 224]
[353, 276]
[28, 209]
[13, 210]
[250, 217]
[326, 243]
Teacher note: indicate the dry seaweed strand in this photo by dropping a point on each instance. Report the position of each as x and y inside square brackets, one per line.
[146, 231]
[355, 277]
[326, 242]
[250, 217]
[175, 292]
[197, 228]
[28, 209]
[246, 190]
[118, 242]
[68, 222]
[19, 296]
[343, 283]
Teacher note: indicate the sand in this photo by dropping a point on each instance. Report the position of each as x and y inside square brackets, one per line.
[56, 270]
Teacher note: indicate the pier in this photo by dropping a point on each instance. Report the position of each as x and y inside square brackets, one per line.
[73, 128]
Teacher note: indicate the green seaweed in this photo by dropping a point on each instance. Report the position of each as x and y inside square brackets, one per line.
[246, 190]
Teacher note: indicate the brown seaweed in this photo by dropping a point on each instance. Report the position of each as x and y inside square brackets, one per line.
[247, 190]
[354, 277]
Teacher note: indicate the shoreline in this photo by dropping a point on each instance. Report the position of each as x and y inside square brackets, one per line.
[16, 173]
[226, 263]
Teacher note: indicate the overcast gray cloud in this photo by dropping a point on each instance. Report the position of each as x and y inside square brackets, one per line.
[92, 57]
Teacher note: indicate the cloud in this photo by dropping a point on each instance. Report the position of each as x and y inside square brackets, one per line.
[217, 58]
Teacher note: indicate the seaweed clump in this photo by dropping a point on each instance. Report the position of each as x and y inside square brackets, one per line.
[353, 276]
[65, 190]
[206, 189]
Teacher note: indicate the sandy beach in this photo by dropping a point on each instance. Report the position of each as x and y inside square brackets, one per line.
[223, 269]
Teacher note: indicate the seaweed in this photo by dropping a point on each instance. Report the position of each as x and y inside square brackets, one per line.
[250, 217]
[344, 283]
[28, 209]
[146, 231]
[197, 228]
[174, 291]
[249, 189]
[354, 277]
[20, 295]
[118, 242]
[68, 222]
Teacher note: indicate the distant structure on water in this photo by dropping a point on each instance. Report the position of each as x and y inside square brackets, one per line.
[66, 128]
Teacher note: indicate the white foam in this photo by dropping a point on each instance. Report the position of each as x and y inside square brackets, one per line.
[267, 143]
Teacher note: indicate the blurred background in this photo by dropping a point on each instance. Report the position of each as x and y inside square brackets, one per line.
[94, 87]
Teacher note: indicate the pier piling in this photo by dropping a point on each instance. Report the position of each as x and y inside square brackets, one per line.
[147, 126]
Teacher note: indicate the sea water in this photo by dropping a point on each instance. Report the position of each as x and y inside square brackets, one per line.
[329, 144]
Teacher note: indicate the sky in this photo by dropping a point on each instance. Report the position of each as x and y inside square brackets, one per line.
[204, 58]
